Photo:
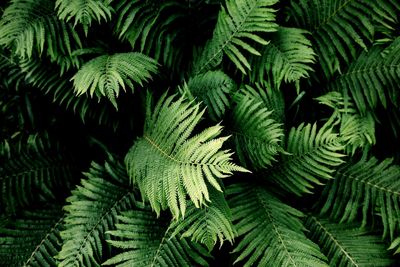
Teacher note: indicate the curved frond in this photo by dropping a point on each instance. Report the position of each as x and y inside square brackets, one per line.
[33, 170]
[237, 27]
[147, 241]
[30, 26]
[313, 156]
[347, 245]
[84, 11]
[92, 211]
[365, 188]
[31, 239]
[271, 231]
[339, 28]
[106, 74]
[373, 78]
[168, 164]
[213, 88]
[287, 57]
[207, 224]
[257, 136]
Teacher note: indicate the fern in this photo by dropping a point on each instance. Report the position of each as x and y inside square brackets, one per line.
[371, 187]
[213, 88]
[31, 239]
[256, 135]
[207, 224]
[237, 24]
[105, 75]
[92, 212]
[271, 231]
[84, 11]
[147, 241]
[288, 57]
[346, 244]
[167, 164]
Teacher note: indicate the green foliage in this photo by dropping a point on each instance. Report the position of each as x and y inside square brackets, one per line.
[148, 242]
[236, 28]
[346, 244]
[167, 163]
[271, 231]
[105, 75]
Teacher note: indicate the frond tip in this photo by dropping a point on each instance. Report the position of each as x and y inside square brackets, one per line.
[105, 75]
[167, 164]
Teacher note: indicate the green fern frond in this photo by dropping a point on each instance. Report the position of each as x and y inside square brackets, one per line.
[105, 74]
[271, 231]
[148, 241]
[347, 244]
[213, 88]
[287, 57]
[30, 26]
[237, 27]
[371, 187]
[92, 211]
[84, 11]
[339, 28]
[256, 135]
[209, 223]
[167, 163]
[33, 170]
[31, 239]
[395, 245]
[313, 156]
[372, 78]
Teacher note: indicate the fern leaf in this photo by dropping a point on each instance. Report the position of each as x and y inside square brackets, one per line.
[213, 88]
[313, 156]
[347, 245]
[271, 231]
[372, 78]
[84, 11]
[29, 26]
[339, 29]
[106, 74]
[287, 57]
[91, 212]
[31, 239]
[256, 135]
[147, 241]
[167, 164]
[33, 170]
[237, 27]
[371, 186]
[209, 223]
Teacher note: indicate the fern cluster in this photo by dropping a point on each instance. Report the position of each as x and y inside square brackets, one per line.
[198, 133]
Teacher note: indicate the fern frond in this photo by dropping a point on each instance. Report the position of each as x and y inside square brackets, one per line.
[370, 187]
[372, 78]
[287, 57]
[167, 163]
[256, 135]
[213, 88]
[339, 29]
[105, 74]
[272, 232]
[209, 223]
[30, 26]
[395, 245]
[84, 11]
[237, 27]
[92, 211]
[147, 241]
[347, 244]
[31, 239]
[314, 155]
[33, 170]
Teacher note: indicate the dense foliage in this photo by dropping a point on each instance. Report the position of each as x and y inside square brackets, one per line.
[196, 133]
